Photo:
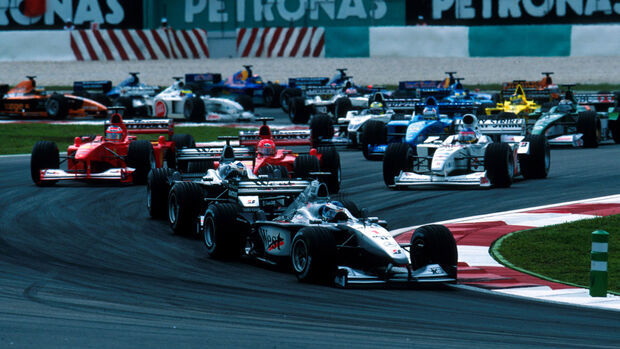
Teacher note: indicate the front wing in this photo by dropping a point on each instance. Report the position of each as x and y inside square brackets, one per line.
[432, 273]
[119, 174]
[406, 179]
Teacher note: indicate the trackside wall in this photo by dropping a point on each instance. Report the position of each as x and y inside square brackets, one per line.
[40, 45]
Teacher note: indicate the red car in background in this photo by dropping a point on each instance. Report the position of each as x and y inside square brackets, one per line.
[26, 100]
[117, 155]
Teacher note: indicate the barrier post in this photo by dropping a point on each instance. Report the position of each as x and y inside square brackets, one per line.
[598, 266]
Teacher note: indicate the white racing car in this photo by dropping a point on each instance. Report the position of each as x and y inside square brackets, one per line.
[325, 241]
[177, 102]
[487, 153]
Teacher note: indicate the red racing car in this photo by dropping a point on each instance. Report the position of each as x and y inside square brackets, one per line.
[117, 155]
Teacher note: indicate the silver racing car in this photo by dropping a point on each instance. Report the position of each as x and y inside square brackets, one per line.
[325, 241]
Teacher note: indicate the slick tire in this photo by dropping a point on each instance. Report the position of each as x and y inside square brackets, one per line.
[57, 107]
[199, 166]
[285, 97]
[398, 157]
[298, 112]
[321, 129]
[126, 103]
[434, 244]
[271, 95]
[614, 125]
[343, 105]
[589, 125]
[180, 141]
[499, 164]
[157, 189]
[274, 172]
[44, 155]
[194, 109]
[304, 165]
[330, 162]
[223, 235]
[536, 164]
[185, 203]
[313, 255]
[141, 157]
[246, 102]
[375, 132]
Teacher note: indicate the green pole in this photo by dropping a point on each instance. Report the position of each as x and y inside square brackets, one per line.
[598, 266]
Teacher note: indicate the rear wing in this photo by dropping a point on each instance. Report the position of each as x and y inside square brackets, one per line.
[103, 86]
[165, 126]
[213, 153]
[280, 137]
[457, 108]
[266, 187]
[403, 105]
[499, 127]
[601, 101]
[206, 77]
[301, 82]
[322, 90]
[420, 84]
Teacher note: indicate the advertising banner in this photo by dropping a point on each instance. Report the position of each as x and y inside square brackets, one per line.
[502, 12]
[227, 15]
[81, 13]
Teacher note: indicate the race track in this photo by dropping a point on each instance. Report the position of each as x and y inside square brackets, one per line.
[84, 266]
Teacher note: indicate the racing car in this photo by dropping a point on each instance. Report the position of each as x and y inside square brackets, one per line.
[540, 91]
[487, 153]
[517, 105]
[117, 155]
[573, 123]
[245, 82]
[309, 96]
[135, 96]
[187, 100]
[324, 240]
[26, 100]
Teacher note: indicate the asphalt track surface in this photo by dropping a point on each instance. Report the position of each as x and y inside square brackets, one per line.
[84, 266]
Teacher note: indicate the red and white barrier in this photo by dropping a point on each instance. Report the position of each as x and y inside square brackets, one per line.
[281, 42]
[126, 44]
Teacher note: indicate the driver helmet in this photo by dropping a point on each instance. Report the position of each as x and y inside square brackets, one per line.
[114, 133]
[430, 113]
[267, 147]
[565, 106]
[376, 108]
[333, 212]
[233, 169]
[467, 135]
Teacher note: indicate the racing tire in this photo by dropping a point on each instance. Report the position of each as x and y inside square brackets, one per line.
[342, 106]
[157, 189]
[499, 164]
[330, 162]
[434, 244]
[614, 125]
[321, 129]
[271, 95]
[505, 116]
[223, 235]
[44, 155]
[305, 164]
[194, 109]
[286, 95]
[57, 107]
[273, 172]
[313, 255]
[374, 132]
[589, 125]
[246, 102]
[185, 202]
[398, 157]
[182, 140]
[536, 164]
[126, 103]
[298, 112]
[141, 157]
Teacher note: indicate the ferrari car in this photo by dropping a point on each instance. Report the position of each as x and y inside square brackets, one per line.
[117, 155]
[572, 123]
[324, 240]
[135, 96]
[26, 100]
[485, 154]
[539, 91]
[186, 100]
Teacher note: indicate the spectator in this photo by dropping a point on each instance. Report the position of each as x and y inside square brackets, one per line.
[164, 24]
[69, 25]
[421, 21]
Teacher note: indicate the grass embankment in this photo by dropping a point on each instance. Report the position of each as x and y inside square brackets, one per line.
[20, 138]
[562, 252]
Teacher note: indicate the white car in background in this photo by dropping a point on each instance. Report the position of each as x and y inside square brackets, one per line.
[177, 102]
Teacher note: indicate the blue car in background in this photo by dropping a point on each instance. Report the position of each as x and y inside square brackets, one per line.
[245, 82]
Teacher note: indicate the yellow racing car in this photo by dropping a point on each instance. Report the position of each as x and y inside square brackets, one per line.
[517, 104]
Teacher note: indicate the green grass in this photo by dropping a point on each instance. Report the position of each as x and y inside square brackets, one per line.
[19, 138]
[562, 252]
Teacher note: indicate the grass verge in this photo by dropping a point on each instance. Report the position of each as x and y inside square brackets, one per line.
[20, 138]
[562, 252]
